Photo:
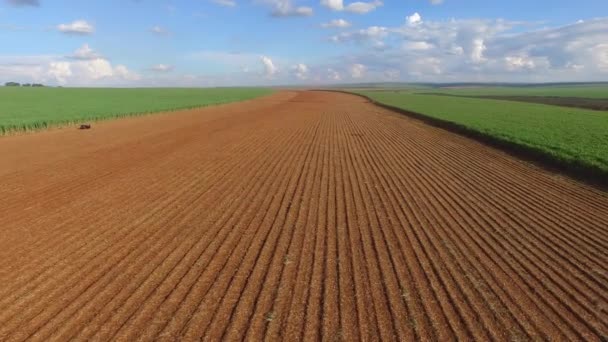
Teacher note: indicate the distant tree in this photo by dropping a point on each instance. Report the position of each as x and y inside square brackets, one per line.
[26, 85]
[11, 84]
[37, 85]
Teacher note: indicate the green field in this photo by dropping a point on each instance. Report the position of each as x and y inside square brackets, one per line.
[584, 91]
[36, 108]
[576, 137]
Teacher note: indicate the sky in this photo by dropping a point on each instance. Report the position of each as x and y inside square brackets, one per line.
[200, 43]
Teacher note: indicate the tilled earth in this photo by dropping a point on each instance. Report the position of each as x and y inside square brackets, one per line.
[301, 215]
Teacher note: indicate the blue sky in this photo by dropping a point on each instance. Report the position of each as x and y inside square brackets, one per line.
[251, 42]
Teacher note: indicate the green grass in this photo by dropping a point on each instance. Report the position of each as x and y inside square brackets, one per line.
[585, 91]
[37, 108]
[577, 137]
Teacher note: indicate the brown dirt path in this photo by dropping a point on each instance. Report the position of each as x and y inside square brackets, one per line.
[301, 215]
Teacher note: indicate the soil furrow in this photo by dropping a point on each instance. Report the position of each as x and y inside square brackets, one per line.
[457, 201]
[305, 215]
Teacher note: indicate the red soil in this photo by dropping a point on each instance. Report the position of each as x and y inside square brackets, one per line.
[303, 215]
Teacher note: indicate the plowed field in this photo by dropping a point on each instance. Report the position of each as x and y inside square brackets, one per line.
[302, 215]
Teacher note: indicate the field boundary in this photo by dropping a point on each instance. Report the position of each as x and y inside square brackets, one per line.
[584, 173]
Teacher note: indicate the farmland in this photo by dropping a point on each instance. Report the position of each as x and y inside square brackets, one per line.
[586, 96]
[571, 136]
[599, 91]
[302, 215]
[23, 109]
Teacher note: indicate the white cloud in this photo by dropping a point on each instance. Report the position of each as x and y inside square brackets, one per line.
[417, 46]
[333, 75]
[88, 72]
[357, 7]
[357, 70]
[341, 23]
[453, 50]
[300, 71]
[85, 53]
[518, 62]
[436, 2]
[81, 68]
[162, 68]
[363, 7]
[600, 56]
[226, 3]
[285, 8]
[95, 69]
[269, 68]
[336, 5]
[424, 66]
[478, 47]
[479, 50]
[78, 27]
[123, 72]
[60, 71]
[414, 19]
[158, 30]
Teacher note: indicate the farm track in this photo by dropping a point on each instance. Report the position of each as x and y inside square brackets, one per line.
[297, 216]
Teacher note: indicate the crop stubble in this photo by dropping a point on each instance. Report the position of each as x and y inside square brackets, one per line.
[303, 215]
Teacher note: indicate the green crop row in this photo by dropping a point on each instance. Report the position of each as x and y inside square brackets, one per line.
[23, 109]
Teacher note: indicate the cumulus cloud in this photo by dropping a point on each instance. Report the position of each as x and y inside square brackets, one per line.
[513, 63]
[270, 69]
[480, 50]
[286, 8]
[20, 3]
[600, 56]
[226, 3]
[88, 72]
[417, 49]
[81, 68]
[357, 70]
[357, 7]
[78, 73]
[477, 49]
[85, 52]
[413, 19]
[60, 71]
[300, 71]
[362, 7]
[336, 5]
[78, 27]
[333, 75]
[340, 23]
